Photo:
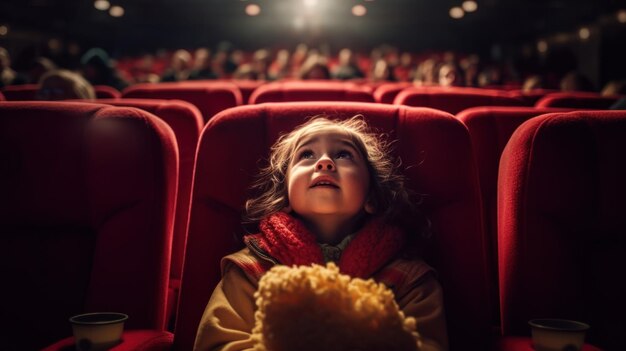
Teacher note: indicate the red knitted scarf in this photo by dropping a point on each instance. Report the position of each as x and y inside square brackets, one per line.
[285, 238]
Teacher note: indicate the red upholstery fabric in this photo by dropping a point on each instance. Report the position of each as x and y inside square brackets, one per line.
[531, 97]
[581, 100]
[311, 91]
[561, 224]
[2, 98]
[247, 87]
[132, 340]
[106, 92]
[490, 129]
[186, 122]
[28, 92]
[23, 92]
[455, 99]
[386, 93]
[436, 151]
[210, 97]
[86, 212]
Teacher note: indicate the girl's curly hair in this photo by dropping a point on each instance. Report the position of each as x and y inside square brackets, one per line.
[388, 193]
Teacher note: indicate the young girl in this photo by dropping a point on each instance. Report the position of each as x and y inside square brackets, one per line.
[330, 193]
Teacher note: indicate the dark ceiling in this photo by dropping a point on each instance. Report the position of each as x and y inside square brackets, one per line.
[409, 24]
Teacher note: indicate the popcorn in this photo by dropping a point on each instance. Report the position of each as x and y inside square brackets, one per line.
[318, 308]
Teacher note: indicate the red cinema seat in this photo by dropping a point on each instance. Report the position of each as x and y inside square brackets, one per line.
[247, 87]
[578, 100]
[23, 92]
[210, 97]
[2, 98]
[531, 97]
[28, 92]
[311, 91]
[387, 92]
[435, 150]
[490, 129]
[186, 122]
[86, 212]
[106, 92]
[455, 99]
[561, 224]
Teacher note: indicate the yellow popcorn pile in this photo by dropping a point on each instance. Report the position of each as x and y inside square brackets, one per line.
[317, 308]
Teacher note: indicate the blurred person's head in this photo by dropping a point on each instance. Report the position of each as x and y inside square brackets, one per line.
[532, 82]
[181, 60]
[614, 87]
[346, 57]
[490, 76]
[450, 75]
[382, 71]
[315, 67]
[96, 66]
[63, 85]
[5, 59]
[245, 72]
[202, 58]
[574, 81]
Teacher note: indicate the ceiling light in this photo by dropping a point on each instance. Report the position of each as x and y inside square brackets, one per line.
[102, 5]
[542, 46]
[621, 16]
[253, 10]
[457, 12]
[470, 6]
[584, 33]
[116, 11]
[359, 10]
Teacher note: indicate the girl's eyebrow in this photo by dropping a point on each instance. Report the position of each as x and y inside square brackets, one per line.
[345, 142]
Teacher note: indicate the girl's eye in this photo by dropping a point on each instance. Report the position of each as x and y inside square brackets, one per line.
[306, 154]
[344, 154]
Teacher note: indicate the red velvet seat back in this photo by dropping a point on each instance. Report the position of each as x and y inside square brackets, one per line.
[581, 100]
[490, 129]
[28, 92]
[311, 91]
[106, 92]
[186, 122]
[87, 195]
[23, 92]
[435, 149]
[247, 87]
[210, 97]
[531, 97]
[387, 92]
[454, 99]
[561, 224]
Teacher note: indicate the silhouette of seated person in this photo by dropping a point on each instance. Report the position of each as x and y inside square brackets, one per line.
[614, 87]
[280, 67]
[532, 82]
[98, 69]
[574, 81]
[382, 72]
[39, 67]
[8, 76]
[450, 75]
[202, 65]
[62, 84]
[347, 67]
[315, 67]
[180, 67]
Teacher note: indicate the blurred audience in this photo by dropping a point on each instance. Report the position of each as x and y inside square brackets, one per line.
[315, 67]
[202, 65]
[532, 82]
[180, 67]
[614, 87]
[347, 68]
[39, 67]
[575, 81]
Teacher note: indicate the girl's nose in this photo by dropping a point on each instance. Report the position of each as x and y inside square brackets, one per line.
[325, 164]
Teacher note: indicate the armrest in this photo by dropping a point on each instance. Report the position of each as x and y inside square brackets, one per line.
[519, 343]
[135, 340]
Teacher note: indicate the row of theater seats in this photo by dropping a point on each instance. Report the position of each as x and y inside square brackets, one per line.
[211, 97]
[459, 170]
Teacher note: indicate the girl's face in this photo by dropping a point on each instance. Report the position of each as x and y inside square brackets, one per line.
[327, 176]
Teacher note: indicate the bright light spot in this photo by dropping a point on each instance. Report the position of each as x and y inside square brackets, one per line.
[542, 46]
[310, 3]
[116, 11]
[359, 10]
[470, 6]
[102, 5]
[457, 12]
[4, 30]
[621, 16]
[584, 33]
[298, 23]
[253, 9]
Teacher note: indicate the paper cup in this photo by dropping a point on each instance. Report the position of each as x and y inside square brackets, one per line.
[98, 331]
[558, 334]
